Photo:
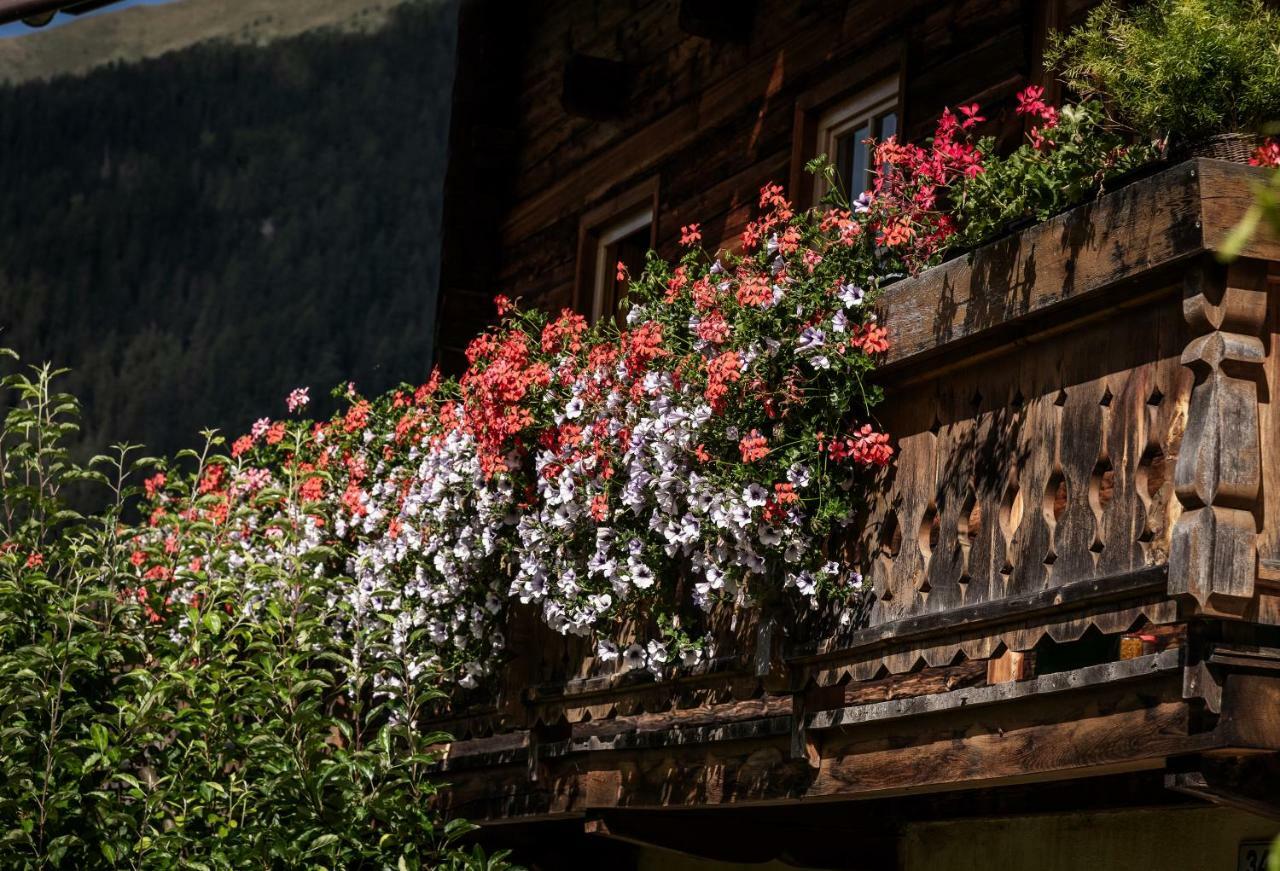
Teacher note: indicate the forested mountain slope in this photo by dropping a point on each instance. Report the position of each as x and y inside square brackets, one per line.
[197, 233]
[138, 32]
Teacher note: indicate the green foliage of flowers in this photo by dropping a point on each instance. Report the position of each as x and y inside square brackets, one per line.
[214, 736]
[1186, 69]
[1071, 162]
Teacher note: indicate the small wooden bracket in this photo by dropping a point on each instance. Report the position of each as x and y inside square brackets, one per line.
[806, 744]
[769, 664]
[540, 734]
[1198, 682]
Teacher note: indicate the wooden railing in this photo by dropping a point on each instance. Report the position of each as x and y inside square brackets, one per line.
[1085, 438]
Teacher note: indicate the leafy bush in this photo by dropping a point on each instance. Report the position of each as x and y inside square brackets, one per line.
[215, 733]
[1186, 69]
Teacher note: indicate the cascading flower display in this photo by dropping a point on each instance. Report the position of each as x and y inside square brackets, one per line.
[707, 449]
[701, 452]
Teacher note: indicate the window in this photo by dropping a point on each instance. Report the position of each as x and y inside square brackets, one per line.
[627, 241]
[843, 129]
[619, 231]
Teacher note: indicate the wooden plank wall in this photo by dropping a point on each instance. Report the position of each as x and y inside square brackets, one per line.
[711, 119]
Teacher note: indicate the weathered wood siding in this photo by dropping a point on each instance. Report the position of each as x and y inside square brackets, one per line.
[710, 119]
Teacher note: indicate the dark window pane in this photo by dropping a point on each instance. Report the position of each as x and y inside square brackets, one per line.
[888, 126]
[851, 159]
[631, 250]
[844, 157]
[857, 177]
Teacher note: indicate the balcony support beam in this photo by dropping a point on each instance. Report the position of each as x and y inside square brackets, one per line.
[1213, 558]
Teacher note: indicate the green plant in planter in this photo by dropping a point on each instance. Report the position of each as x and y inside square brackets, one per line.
[1182, 70]
[1069, 157]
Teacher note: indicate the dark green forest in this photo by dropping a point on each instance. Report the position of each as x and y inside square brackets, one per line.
[196, 234]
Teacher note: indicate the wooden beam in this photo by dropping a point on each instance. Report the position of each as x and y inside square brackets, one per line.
[1247, 783]
[1011, 665]
[1251, 710]
[1227, 193]
[1013, 609]
[1125, 740]
[1111, 673]
[1213, 553]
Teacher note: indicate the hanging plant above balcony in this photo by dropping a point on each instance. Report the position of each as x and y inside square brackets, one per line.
[703, 452]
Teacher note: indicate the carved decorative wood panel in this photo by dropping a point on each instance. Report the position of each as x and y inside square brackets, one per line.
[1047, 465]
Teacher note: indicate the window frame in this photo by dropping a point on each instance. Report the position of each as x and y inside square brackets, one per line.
[867, 72]
[862, 108]
[602, 227]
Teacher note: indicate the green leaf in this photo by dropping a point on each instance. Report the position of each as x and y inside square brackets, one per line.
[98, 732]
[323, 841]
[1241, 234]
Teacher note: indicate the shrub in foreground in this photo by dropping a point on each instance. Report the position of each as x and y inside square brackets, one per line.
[137, 731]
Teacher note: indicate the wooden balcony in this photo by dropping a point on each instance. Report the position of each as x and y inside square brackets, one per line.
[1075, 556]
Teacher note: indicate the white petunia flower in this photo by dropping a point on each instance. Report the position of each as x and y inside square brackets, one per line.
[810, 340]
[633, 657]
[641, 576]
[755, 496]
[799, 475]
[851, 295]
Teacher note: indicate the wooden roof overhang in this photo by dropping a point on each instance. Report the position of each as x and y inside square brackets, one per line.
[1086, 449]
[38, 13]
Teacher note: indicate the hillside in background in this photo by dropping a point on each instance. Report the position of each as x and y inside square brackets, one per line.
[142, 32]
[197, 233]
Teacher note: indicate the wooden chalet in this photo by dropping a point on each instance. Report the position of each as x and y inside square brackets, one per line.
[1072, 660]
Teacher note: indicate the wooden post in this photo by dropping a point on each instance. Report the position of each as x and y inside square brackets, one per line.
[1218, 478]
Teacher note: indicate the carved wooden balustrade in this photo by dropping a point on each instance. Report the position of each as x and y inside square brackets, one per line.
[1086, 447]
